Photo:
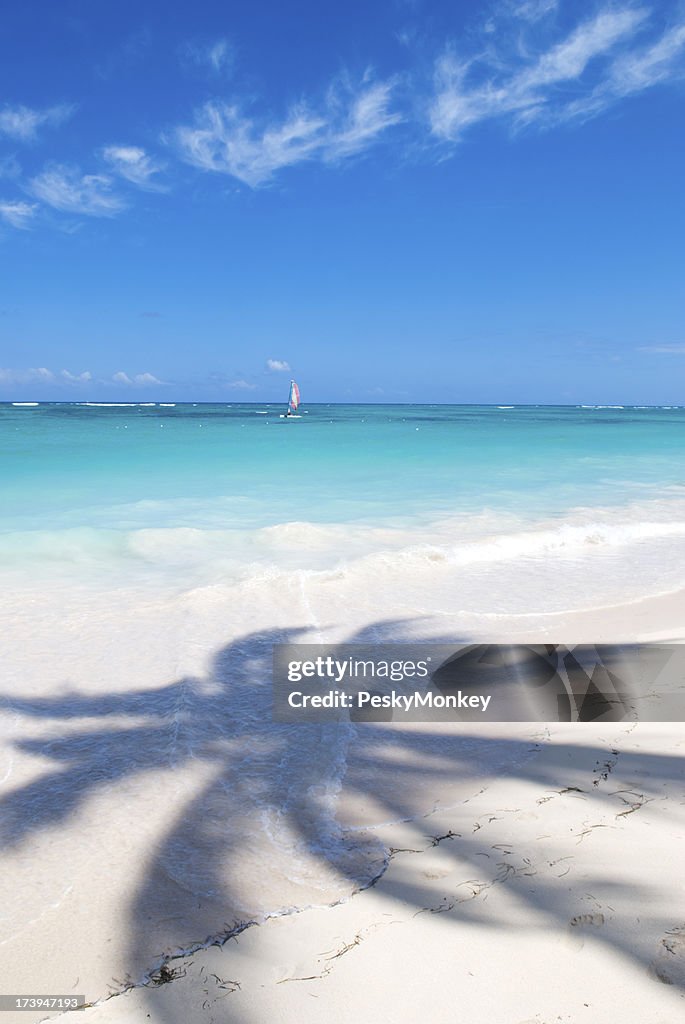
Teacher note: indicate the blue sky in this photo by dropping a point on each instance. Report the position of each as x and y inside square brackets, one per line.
[395, 201]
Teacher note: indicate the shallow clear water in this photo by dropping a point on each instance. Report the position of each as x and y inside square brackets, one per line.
[84, 465]
[193, 493]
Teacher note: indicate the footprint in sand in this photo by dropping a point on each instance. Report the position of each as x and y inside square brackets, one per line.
[587, 921]
[580, 925]
[668, 965]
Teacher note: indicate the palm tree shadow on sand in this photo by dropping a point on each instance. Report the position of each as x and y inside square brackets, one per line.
[261, 834]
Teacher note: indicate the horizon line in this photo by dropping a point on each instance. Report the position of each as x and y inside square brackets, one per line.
[464, 405]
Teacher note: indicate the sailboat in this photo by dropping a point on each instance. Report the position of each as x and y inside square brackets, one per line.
[293, 403]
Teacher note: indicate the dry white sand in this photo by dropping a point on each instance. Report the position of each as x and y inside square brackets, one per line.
[551, 896]
[554, 893]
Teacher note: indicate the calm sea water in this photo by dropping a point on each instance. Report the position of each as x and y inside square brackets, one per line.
[220, 488]
[78, 465]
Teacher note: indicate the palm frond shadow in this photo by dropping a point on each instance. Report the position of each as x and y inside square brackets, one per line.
[202, 883]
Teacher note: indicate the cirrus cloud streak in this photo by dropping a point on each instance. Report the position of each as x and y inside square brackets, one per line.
[17, 213]
[21, 123]
[224, 140]
[66, 189]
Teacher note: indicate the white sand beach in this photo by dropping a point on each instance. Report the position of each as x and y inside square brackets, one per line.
[549, 896]
[522, 873]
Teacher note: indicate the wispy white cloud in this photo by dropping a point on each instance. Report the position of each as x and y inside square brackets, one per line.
[137, 380]
[219, 55]
[134, 164]
[66, 378]
[663, 350]
[38, 375]
[534, 10]
[362, 121]
[633, 72]
[223, 139]
[216, 55]
[66, 189]
[9, 375]
[600, 61]
[18, 213]
[76, 378]
[22, 123]
[241, 385]
[145, 379]
[277, 366]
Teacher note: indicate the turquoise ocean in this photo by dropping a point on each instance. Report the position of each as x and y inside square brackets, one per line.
[184, 493]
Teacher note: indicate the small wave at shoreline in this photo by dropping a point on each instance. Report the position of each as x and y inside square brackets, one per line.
[637, 547]
[462, 540]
